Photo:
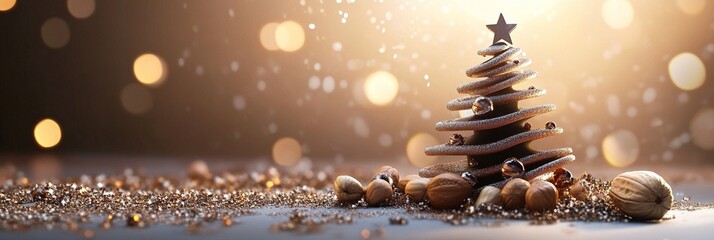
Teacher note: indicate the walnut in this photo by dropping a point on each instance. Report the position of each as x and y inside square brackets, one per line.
[643, 195]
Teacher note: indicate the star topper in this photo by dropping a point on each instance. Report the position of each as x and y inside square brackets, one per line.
[501, 30]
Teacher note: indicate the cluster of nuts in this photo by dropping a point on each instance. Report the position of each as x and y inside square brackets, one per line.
[536, 195]
[445, 191]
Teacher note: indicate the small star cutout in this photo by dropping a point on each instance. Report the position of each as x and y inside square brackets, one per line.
[501, 30]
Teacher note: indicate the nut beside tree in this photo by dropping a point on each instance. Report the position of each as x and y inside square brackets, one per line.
[489, 195]
[378, 191]
[541, 196]
[514, 193]
[643, 195]
[447, 191]
[417, 188]
[391, 172]
[402, 184]
[348, 189]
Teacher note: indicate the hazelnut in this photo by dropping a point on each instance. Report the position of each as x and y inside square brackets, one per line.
[198, 170]
[447, 191]
[643, 195]
[348, 189]
[403, 181]
[514, 193]
[541, 196]
[489, 195]
[378, 191]
[391, 173]
[578, 191]
[417, 188]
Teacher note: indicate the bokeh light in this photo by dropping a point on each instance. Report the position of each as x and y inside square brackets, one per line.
[287, 152]
[81, 8]
[267, 36]
[692, 7]
[47, 133]
[150, 69]
[55, 33]
[618, 14]
[136, 99]
[381, 87]
[6, 5]
[289, 36]
[415, 149]
[687, 71]
[621, 148]
[702, 128]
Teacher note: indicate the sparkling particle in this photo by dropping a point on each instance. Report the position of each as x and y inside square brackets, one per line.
[621, 148]
[426, 77]
[415, 149]
[313, 83]
[47, 133]
[337, 46]
[55, 33]
[262, 85]
[618, 14]
[648, 96]
[482, 105]
[239, 102]
[287, 152]
[512, 168]
[81, 9]
[425, 114]
[234, 66]
[385, 140]
[701, 128]
[381, 88]
[328, 84]
[311, 26]
[687, 71]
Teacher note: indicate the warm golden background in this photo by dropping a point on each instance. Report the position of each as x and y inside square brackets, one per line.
[338, 81]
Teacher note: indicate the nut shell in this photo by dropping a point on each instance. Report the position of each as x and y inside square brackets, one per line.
[417, 188]
[348, 189]
[198, 170]
[643, 195]
[402, 184]
[541, 196]
[578, 191]
[489, 195]
[378, 192]
[514, 193]
[447, 191]
[391, 172]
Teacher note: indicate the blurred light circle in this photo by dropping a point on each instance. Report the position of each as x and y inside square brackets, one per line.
[55, 33]
[702, 128]
[618, 14]
[687, 71]
[81, 8]
[47, 133]
[6, 5]
[415, 149]
[287, 151]
[289, 36]
[621, 148]
[267, 36]
[692, 7]
[136, 99]
[239, 102]
[381, 88]
[150, 69]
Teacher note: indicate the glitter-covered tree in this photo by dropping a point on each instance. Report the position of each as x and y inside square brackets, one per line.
[499, 148]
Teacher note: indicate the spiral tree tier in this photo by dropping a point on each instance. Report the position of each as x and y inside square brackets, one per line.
[501, 130]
